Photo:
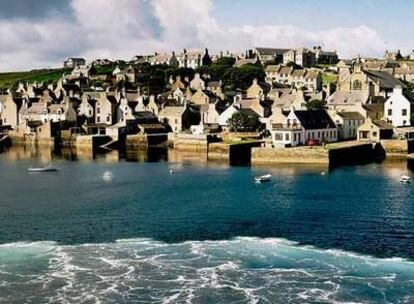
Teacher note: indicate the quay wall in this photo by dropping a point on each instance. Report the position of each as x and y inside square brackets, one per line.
[189, 142]
[397, 148]
[302, 155]
[219, 151]
[137, 140]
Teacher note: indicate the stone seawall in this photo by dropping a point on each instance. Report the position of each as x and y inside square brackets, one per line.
[302, 155]
[137, 141]
[219, 151]
[397, 148]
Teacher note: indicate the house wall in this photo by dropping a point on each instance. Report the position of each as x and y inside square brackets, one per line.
[397, 110]
[199, 98]
[9, 114]
[103, 111]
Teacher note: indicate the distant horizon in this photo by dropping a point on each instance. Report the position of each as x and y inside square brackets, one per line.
[42, 34]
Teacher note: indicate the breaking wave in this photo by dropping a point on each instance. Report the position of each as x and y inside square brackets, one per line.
[242, 270]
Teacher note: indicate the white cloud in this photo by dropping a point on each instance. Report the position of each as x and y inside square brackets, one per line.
[123, 28]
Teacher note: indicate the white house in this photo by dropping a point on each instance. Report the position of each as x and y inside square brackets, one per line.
[347, 123]
[397, 109]
[300, 127]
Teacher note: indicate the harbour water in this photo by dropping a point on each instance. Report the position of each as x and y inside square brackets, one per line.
[204, 234]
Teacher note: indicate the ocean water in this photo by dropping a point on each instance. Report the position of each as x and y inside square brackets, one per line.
[110, 231]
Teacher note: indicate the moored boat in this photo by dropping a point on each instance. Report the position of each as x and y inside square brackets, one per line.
[405, 179]
[263, 178]
[49, 168]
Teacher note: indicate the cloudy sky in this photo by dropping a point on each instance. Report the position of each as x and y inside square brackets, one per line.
[42, 33]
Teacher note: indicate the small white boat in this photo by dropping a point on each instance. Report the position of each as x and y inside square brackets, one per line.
[263, 178]
[49, 168]
[405, 179]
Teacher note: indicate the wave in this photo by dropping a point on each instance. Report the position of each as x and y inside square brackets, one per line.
[243, 270]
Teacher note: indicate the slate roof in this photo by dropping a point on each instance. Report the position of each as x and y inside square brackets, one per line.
[312, 120]
[351, 115]
[248, 112]
[385, 80]
[271, 51]
[339, 98]
[172, 111]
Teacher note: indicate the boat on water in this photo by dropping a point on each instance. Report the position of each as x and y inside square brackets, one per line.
[404, 179]
[263, 178]
[49, 168]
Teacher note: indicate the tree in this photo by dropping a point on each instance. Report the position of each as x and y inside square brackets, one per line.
[293, 65]
[240, 121]
[315, 105]
[242, 77]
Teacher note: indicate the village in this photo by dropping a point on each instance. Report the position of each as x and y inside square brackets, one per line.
[282, 105]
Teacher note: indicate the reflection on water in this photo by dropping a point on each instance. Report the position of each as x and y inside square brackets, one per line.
[47, 153]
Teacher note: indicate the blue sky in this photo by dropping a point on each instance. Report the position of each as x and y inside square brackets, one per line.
[393, 19]
[41, 33]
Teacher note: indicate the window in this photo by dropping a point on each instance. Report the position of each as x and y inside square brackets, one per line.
[363, 134]
[287, 137]
[98, 119]
[278, 136]
[404, 112]
[108, 118]
[374, 134]
[389, 112]
[98, 110]
[357, 85]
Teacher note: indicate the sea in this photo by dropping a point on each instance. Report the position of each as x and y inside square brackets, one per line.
[164, 227]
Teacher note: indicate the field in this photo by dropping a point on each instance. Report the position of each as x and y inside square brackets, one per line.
[8, 80]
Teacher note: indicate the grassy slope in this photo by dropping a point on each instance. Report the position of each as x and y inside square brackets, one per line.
[7, 80]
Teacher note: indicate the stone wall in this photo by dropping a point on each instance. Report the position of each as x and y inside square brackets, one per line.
[137, 140]
[299, 155]
[395, 147]
[219, 151]
[188, 142]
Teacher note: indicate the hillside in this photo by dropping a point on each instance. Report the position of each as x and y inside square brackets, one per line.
[8, 80]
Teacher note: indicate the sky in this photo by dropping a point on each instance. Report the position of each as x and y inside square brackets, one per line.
[42, 33]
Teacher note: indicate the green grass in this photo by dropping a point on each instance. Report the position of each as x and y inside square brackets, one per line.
[8, 80]
[328, 78]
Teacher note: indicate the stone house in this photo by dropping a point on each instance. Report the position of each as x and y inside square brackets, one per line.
[298, 78]
[86, 109]
[71, 63]
[193, 59]
[204, 97]
[230, 111]
[405, 73]
[301, 127]
[197, 83]
[123, 111]
[258, 90]
[179, 118]
[216, 88]
[302, 56]
[105, 108]
[374, 83]
[347, 123]
[269, 54]
[375, 130]
[10, 110]
[37, 111]
[397, 109]
[325, 57]
[158, 59]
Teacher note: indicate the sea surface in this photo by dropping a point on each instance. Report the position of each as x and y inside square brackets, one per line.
[168, 228]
